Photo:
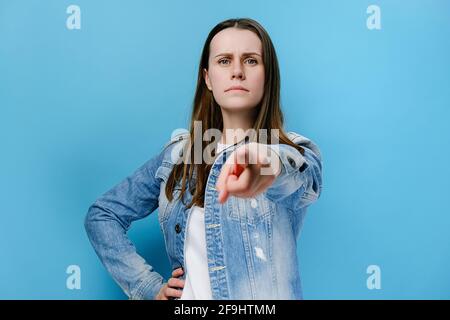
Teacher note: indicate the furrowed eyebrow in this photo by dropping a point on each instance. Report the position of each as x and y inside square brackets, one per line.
[244, 54]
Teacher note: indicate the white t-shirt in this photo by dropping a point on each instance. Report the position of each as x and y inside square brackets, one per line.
[197, 285]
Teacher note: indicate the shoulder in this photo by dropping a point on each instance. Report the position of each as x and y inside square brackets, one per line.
[303, 141]
[173, 148]
[178, 135]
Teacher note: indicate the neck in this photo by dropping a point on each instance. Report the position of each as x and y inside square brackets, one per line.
[236, 124]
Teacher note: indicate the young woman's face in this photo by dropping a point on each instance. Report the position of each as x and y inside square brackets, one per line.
[235, 59]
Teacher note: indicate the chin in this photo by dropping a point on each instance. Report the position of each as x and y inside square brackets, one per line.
[237, 105]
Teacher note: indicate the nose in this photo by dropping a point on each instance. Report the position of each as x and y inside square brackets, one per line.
[238, 71]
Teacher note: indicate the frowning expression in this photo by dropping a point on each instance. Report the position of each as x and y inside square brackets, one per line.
[235, 73]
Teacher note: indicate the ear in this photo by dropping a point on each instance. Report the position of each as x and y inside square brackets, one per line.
[207, 80]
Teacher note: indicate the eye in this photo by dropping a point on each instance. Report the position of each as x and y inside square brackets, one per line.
[223, 60]
[252, 60]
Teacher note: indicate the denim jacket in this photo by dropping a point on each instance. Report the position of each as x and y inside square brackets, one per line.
[251, 242]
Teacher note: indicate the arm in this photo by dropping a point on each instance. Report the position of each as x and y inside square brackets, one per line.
[108, 220]
[300, 181]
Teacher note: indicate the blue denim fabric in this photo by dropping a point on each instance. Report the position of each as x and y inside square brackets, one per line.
[251, 243]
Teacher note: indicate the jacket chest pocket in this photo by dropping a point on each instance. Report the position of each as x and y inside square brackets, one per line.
[166, 206]
[250, 210]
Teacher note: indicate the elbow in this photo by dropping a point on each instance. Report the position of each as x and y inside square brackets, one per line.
[89, 219]
[100, 216]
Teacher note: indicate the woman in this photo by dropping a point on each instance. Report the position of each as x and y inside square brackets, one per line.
[231, 220]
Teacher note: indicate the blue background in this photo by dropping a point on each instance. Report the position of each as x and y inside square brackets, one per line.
[82, 109]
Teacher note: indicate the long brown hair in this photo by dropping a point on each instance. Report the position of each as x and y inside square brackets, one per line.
[207, 111]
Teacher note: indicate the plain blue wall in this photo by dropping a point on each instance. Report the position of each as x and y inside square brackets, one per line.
[82, 109]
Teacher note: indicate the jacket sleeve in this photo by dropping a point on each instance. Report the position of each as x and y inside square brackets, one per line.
[108, 220]
[300, 181]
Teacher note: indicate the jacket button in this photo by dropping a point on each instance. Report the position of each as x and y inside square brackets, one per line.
[303, 167]
[177, 228]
